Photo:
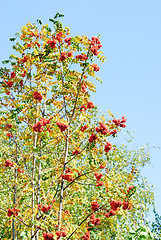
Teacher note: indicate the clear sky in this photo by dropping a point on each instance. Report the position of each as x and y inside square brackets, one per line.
[131, 37]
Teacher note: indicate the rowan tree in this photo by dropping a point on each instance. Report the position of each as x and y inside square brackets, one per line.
[62, 175]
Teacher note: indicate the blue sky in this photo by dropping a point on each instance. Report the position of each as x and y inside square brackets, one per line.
[131, 37]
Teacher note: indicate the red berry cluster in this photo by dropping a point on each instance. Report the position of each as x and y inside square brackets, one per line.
[95, 221]
[102, 165]
[81, 57]
[62, 126]
[24, 74]
[8, 126]
[95, 206]
[8, 163]
[13, 74]
[45, 207]
[76, 151]
[61, 233]
[35, 34]
[113, 132]
[120, 122]
[95, 67]
[95, 45]
[110, 213]
[99, 184]
[67, 176]
[83, 108]
[21, 83]
[12, 212]
[68, 170]
[29, 45]
[67, 40]
[67, 212]
[20, 170]
[9, 135]
[59, 36]
[39, 126]
[9, 84]
[92, 138]
[115, 205]
[108, 147]
[86, 236]
[63, 56]
[37, 96]
[83, 128]
[48, 236]
[102, 129]
[98, 176]
[52, 43]
[90, 105]
[25, 58]
[83, 88]
[126, 205]
[70, 54]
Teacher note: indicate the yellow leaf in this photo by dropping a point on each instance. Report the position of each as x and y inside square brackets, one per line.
[110, 114]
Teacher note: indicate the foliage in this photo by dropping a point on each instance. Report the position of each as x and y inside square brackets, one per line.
[143, 232]
[156, 226]
[60, 175]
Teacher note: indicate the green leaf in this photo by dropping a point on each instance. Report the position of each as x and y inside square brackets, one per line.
[143, 235]
[132, 232]
[52, 20]
[13, 63]
[39, 21]
[150, 236]
[58, 15]
[5, 61]
[143, 228]
[12, 39]
[47, 60]
[1, 74]
[17, 34]
[47, 28]
[22, 199]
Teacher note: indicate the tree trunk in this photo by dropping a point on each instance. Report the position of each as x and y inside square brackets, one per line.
[62, 183]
